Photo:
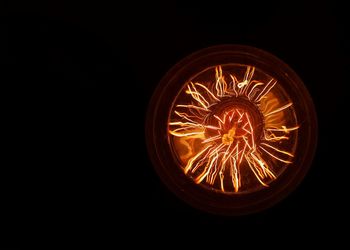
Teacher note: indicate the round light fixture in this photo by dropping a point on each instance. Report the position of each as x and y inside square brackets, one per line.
[231, 129]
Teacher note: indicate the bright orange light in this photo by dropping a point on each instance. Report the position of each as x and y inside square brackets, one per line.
[231, 129]
[235, 131]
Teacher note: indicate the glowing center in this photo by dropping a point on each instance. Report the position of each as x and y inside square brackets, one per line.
[229, 137]
[234, 126]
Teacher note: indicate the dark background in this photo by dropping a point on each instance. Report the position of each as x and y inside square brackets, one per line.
[104, 60]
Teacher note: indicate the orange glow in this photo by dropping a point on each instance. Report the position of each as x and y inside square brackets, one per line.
[233, 128]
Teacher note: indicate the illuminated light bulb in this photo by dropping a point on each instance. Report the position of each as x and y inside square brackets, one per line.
[231, 129]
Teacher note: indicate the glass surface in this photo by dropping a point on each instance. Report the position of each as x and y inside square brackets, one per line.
[231, 129]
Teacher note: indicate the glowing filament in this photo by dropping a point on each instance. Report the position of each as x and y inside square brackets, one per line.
[217, 151]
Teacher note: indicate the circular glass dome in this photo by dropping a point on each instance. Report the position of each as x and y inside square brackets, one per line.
[231, 129]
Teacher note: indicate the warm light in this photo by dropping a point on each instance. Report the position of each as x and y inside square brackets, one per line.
[235, 131]
[231, 129]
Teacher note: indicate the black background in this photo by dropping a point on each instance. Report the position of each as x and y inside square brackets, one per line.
[108, 58]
